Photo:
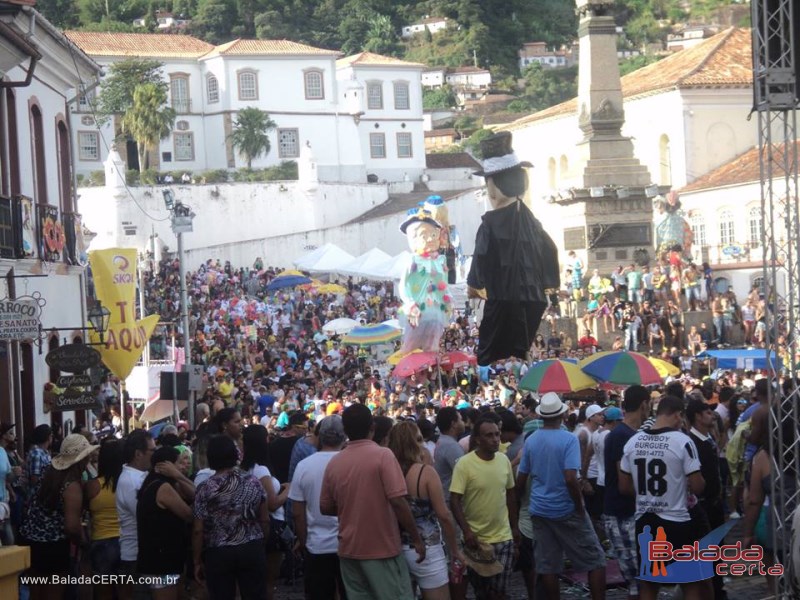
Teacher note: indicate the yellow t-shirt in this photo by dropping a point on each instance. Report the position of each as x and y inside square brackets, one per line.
[225, 389]
[483, 485]
[103, 508]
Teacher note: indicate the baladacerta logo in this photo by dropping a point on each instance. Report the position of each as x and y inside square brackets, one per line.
[661, 562]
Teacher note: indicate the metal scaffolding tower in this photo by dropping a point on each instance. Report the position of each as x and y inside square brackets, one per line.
[775, 85]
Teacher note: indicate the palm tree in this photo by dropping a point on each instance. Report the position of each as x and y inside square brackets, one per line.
[250, 133]
[148, 120]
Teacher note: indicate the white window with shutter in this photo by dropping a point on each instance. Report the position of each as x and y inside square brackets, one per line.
[88, 145]
[377, 145]
[288, 143]
[184, 145]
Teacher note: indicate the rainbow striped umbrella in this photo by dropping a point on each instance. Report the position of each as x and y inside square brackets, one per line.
[663, 367]
[371, 335]
[621, 367]
[556, 376]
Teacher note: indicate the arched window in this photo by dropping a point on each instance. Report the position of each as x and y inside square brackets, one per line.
[315, 89]
[726, 227]
[248, 85]
[551, 173]
[212, 89]
[754, 223]
[64, 169]
[758, 282]
[698, 224]
[179, 92]
[402, 99]
[664, 160]
[563, 167]
[38, 143]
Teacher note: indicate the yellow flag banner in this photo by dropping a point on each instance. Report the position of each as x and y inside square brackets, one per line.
[114, 273]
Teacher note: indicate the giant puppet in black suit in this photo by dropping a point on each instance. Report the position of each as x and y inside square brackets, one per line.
[514, 261]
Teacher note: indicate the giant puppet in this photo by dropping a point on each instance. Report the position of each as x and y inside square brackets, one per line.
[515, 260]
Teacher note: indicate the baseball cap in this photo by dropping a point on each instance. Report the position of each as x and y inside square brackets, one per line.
[613, 414]
[593, 410]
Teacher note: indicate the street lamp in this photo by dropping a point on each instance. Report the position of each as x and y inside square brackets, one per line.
[99, 317]
[181, 217]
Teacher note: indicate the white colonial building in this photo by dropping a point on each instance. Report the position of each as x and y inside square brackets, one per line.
[42, 250]
[432, 24]
[361, 115]
[687, 115]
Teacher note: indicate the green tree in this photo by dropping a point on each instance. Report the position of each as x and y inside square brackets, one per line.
[148, 120]
[117, 90]
[473, 143]
[442, 97]
[250, 135]
[61, 13]
[382, 37]
[548, 87]
[214, 21]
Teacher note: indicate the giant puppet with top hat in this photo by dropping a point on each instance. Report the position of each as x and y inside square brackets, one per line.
[515, 260]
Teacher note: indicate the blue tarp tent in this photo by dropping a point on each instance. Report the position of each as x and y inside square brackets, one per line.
[751, 360]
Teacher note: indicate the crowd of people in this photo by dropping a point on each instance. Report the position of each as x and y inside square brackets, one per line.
[308, 457]
[441, 496]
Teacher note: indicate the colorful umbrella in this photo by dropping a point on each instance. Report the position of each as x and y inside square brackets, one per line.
[556, 376]
[286, 281]
[414, 363]
[664, 368]
[621, 367]
[339, 326]
[371, 335]
[457, 359]
[331, 288]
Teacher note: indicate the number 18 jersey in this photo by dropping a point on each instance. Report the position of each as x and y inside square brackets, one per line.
[659, 461]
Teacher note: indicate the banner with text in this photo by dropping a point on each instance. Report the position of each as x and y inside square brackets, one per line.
[114, 272]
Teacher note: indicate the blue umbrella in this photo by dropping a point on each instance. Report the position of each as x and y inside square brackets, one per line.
[287, 281]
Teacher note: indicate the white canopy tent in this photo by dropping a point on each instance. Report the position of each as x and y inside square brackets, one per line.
[364, 265]
[392, 268]
[325, 259]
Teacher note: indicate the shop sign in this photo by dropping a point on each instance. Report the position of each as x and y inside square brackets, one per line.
[73, 358]
[20, 318]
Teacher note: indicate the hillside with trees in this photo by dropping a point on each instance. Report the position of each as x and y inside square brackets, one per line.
[487, 33]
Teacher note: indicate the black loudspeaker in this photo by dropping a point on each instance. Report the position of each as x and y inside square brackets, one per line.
[167, 388]
[770, 10]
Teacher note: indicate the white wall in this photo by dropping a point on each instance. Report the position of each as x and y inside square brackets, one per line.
[356, 238]
[226, 213]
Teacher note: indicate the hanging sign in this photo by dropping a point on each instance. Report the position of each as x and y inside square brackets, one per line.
[114, 272]
[20, 318]
[72, 358]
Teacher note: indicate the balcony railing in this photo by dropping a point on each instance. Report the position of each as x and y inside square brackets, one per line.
[182, 105]
[18, 227]
[725, 254]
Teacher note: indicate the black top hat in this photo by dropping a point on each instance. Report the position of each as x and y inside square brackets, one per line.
[498, 155]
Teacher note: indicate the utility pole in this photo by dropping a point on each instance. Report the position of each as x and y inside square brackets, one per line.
[181, 217]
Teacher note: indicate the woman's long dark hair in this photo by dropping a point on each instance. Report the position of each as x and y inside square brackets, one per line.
[256, 447]
[109, 462]
[222, 417]
[54, 482]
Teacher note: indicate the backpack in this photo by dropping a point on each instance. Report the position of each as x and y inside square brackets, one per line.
[734, 452]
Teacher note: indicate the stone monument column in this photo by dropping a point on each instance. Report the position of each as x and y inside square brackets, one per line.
[605, 152]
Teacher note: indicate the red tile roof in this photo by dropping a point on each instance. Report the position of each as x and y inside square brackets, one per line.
[240, 47]
[745, 168]
[723, 60]
[374, 60]
[150, 45]
[451, 160]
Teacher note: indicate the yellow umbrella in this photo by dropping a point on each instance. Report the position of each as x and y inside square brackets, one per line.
[289, 272]
[331, 288]
[395, 358]
[663, 367]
